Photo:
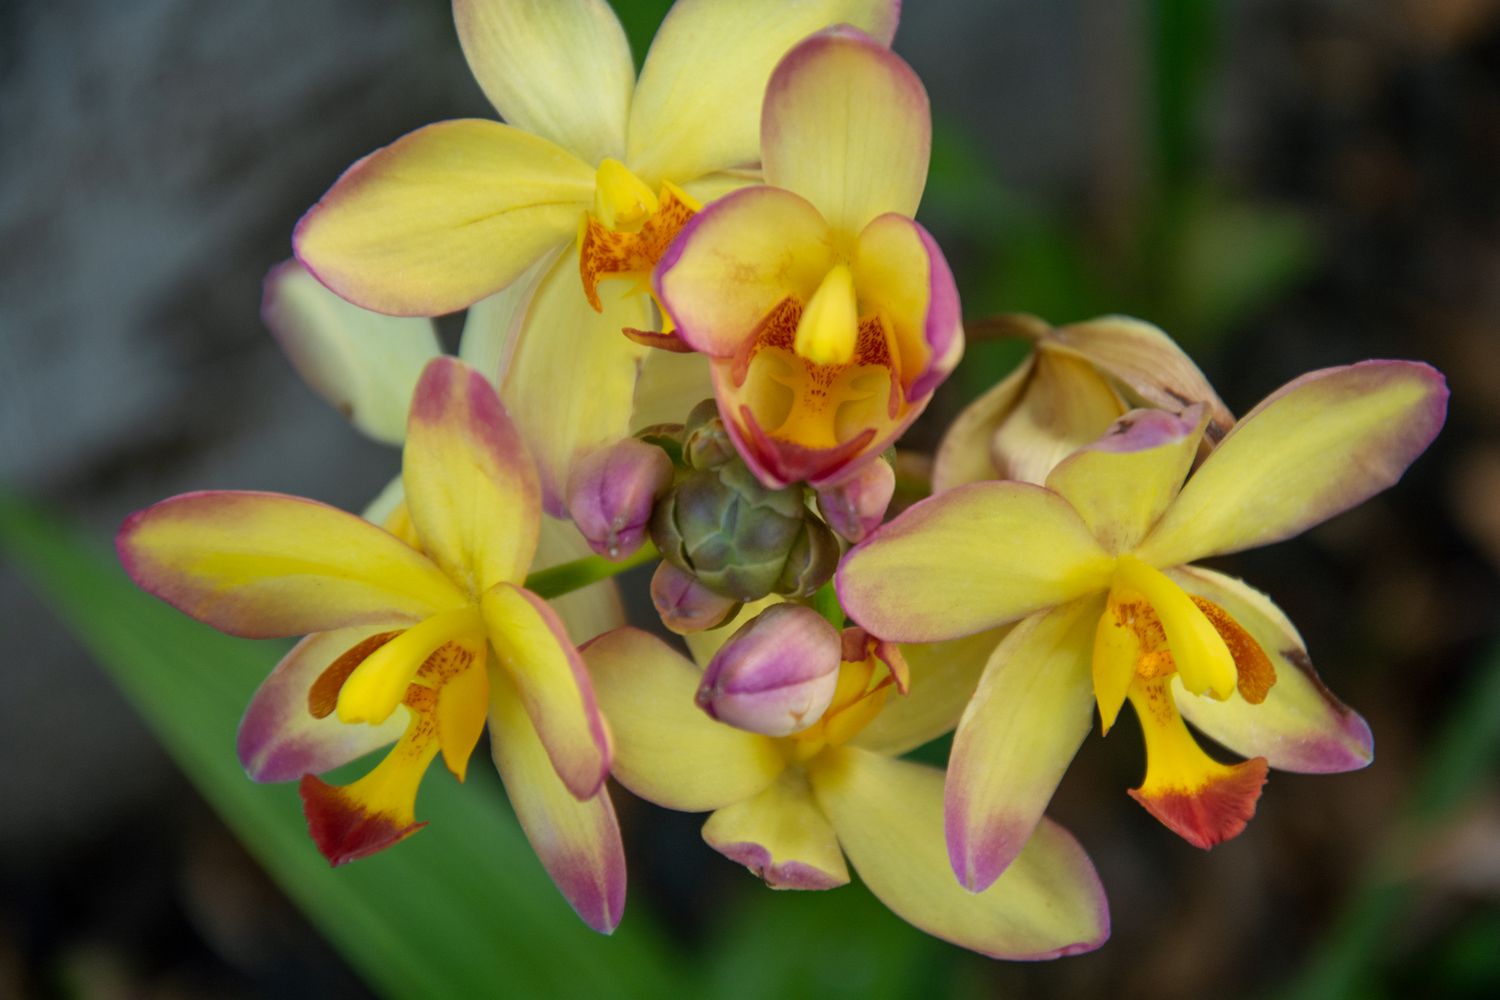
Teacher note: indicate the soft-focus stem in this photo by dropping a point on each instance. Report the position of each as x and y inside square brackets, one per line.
[826, 603]
[570, 576]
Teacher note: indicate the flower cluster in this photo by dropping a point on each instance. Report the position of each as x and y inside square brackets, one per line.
[700, 314]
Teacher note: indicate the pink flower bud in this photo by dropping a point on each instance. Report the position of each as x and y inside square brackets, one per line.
[776, 675]
[612, 492]
[685, 605]
[856, 506]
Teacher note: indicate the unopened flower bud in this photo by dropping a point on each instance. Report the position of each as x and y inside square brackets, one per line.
[856, 506]
[705, 442]
[811, 562]
[612, 493]
[685, 605]
[776, 675]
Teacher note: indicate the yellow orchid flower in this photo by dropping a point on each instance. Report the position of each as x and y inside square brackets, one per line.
[591, 176]
[1094, 570]
[1077, 380]
[793, 808]
[830, 315]
[418, 637]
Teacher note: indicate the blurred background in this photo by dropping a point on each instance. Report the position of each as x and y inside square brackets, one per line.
[1281, 184]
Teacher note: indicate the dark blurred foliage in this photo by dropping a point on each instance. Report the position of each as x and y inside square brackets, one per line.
[1282, 184]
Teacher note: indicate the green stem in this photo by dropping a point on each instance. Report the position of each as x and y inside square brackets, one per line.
[826, 603]
[570, 576]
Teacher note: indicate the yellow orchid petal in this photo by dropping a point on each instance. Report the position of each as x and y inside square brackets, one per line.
[364, 364]
[532, 645]
[1202, 659]
[262, 565]
[829, 325]
[1121, 483]
[492, 326]
[558, 68]
[970, 559]
[781, 835]
[737, 261]
[578, 842]
[847, 126]
[471, 488]
[443, 217]
[964, 455]
[377, 685]
[1315, 447]
[1117, 651]
[670, 385]
[1064, 405]
[571, 374]
[607, 249]
[1032, 709]
[943, 678]
[1197, 798]
[888, 815]
[697, 105]
[463, 701]
[1300, 726]
[666, 749]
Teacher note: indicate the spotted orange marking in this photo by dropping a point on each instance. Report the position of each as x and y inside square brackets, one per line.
[605, 252]
[1256, 672]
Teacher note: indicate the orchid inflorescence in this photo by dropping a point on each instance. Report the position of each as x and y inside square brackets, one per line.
[700, 314]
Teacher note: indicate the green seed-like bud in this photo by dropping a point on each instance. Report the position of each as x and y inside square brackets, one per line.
[812, 559]
[705, 442]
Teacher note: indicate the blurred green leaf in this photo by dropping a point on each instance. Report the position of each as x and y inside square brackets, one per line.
[461, 909]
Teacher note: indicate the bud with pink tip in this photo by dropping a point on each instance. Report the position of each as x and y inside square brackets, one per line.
[856, 506]
[776, 675]
[612, 493]
[686, 605]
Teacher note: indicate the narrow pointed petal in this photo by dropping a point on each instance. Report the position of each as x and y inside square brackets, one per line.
[944, 676]
[888, 814]
[970, 559]
[364, 364]
[781, 836]
[736, 261]
[1065, 405]
[463, 701]
[1121, 483]
[560, 69]
[443, 217]
[1031, 711]
[665, 749]
[279, 737]
[591, 611]
[1301, 726]
[697, 106]
[570, 381]
[578, 842]
[965, 455]
[847, 125]
[1147, 362]
[1319, 445]
[532, 647]
[471, 488]
[262, 565]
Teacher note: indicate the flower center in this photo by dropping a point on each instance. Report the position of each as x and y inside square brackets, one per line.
[859, 696]
[629, 229]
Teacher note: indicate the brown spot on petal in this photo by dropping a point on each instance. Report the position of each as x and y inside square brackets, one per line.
[605, 252]
[1256, 673]
[323, 696]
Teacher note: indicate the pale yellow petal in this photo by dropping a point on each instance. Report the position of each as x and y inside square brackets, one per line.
[965, 454]
[1064, 405]
[781, 835]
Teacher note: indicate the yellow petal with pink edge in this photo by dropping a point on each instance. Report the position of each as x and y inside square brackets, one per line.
[1301, 725]
[666, 749]
[364, 364]
[697, 106]
[736, 261]
[1317, 446]
[846, 124]
[1121, 483]
[578, 842]
[471, 488]
[781, 835]
[443, 217]
[943, 678]
[888, 815]
[560, 69]
[570, 379]
[964, 455]
[262, 565]
[1030, 713]
[1193, 795]
[353, 821]
[532, 646]
[968, 560]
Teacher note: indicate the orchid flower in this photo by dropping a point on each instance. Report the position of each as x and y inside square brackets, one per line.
[1094, 569]
[829, 315]
[591, 178]
[417, 636]
[793, 808]
[1077, 380]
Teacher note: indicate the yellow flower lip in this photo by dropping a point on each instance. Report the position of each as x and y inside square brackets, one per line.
[621, 199]
[829, 327]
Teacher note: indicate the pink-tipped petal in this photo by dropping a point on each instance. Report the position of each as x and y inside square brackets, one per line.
[577, 841]
[776, 674]
[612, 494]
[263, 565]
[685, 605]
[781, 836]
[856, 506]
